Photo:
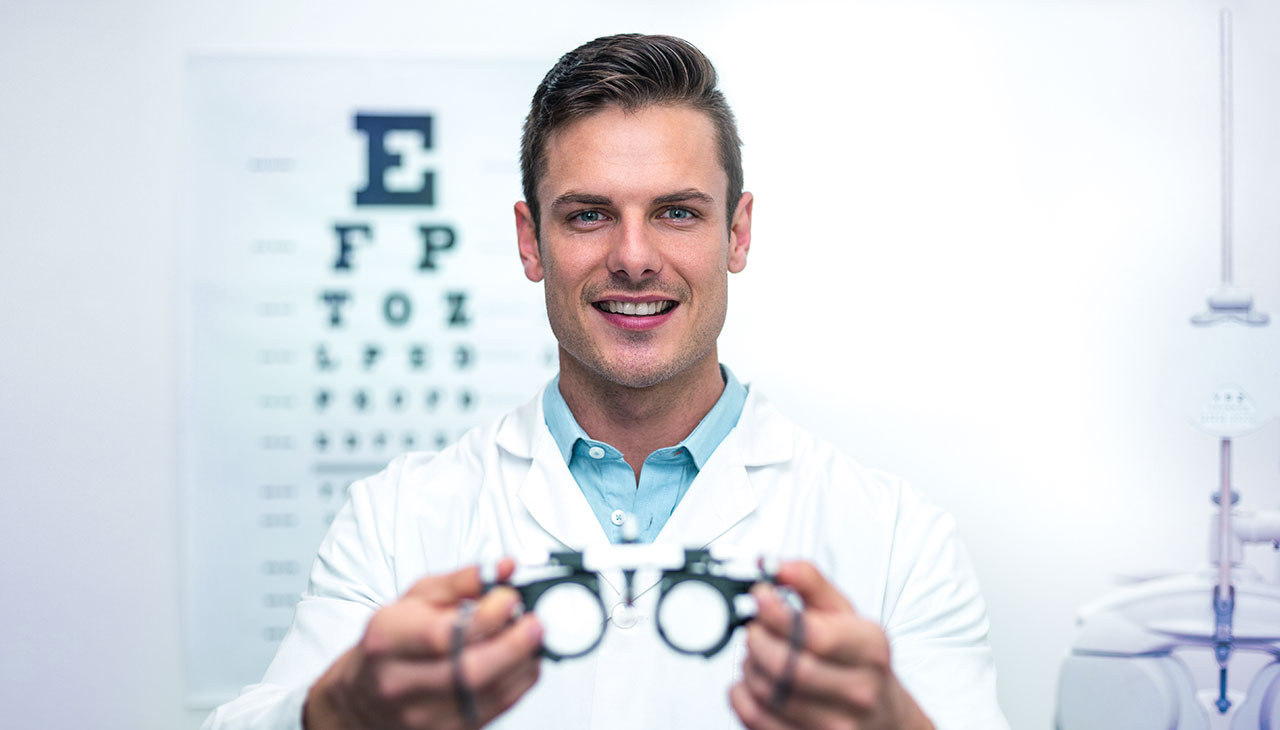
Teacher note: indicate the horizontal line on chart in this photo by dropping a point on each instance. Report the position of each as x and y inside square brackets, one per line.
[276, 357]
[271, 164]
[275, 402]
[272, 245]
[348, 467]
[530, 354]
[275, 309]
[508, 311]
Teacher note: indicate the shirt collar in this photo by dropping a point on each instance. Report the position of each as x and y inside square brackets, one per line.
[560, 421]
[700, 444]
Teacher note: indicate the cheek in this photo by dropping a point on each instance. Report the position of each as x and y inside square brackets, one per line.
[567, 272]
[563, 287]
[712, 285]
[559, 301]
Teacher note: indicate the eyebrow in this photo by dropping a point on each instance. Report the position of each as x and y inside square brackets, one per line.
[685, 196]
[680, 196]
[580, 199]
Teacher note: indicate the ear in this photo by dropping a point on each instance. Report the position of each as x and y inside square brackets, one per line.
[527, 238]
[740, 234]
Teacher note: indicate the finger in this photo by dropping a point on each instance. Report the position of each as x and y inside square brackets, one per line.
[408, 628]
[837, 636]
[752, 712]
[505, 693]
[773, 613]
[447, 589]
[486, 662]
[497, 610]
[814, 589]
[506, 567]
[809, 675]
[413, 628]
[401, 680]
[763, 686]
[496, 668]
[851, 688]
[794, 708]
[483, 664]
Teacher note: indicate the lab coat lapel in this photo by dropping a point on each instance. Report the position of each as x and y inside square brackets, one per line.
[722, 494]
[555, 501]
[719, 498]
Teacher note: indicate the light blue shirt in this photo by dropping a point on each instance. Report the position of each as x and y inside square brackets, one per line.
[608, 481]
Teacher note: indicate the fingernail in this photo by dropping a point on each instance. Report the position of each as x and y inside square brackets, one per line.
[535, 630]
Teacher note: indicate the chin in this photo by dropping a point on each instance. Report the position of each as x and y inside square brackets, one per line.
[645, 371]
[636, 377]
[640, 383]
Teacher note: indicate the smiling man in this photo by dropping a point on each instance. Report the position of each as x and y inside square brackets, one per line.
[635, 250]
[633, 219]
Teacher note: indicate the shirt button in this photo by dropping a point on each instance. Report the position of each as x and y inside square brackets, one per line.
[624, 616]
[596, 452]
[617, 517]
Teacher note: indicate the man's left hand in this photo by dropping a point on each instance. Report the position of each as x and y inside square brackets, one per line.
[840, 678]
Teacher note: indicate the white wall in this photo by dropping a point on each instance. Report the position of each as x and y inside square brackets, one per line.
[981, 228]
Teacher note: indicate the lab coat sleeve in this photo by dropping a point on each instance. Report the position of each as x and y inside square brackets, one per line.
[352, 578]
[936, 621]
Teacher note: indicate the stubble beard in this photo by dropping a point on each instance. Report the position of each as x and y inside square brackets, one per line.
[586, 353]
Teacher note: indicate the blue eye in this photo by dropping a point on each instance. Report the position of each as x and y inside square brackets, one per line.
[589, 216]
[679, 214]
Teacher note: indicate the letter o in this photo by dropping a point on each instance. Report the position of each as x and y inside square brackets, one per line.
[397, 308]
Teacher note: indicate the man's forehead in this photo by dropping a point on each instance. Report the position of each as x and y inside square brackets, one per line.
[652, 151]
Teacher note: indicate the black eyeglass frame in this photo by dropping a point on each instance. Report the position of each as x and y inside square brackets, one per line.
[532, 591]
[698, 566]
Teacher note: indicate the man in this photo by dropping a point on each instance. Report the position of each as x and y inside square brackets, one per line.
[633, 218]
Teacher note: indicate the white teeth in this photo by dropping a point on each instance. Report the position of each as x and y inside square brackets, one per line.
[636, 309]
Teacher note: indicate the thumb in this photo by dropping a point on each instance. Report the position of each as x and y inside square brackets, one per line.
[813, 588]
[447, 589]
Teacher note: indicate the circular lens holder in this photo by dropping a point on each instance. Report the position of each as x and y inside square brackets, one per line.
[698, 567]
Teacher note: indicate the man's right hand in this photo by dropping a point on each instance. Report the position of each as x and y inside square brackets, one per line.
[401, 673]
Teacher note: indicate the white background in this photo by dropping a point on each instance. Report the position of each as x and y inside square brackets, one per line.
[980, 230]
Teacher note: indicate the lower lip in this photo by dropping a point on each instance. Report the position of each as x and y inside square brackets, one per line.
[630, 322]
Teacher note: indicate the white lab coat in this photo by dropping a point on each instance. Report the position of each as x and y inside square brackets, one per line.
[769, 488]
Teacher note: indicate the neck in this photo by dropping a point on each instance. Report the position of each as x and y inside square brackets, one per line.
[639, 421]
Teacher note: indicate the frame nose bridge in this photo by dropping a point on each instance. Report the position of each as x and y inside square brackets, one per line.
[635, 249]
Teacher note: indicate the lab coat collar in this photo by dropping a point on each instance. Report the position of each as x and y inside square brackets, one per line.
[719, 497]
[763, 435]
[722, 494]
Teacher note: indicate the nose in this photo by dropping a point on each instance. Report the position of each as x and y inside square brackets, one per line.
[634, 252]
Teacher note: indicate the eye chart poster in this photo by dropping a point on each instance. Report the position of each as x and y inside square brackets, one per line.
[352, 290]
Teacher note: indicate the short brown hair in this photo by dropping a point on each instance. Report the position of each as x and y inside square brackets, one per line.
[631, 71]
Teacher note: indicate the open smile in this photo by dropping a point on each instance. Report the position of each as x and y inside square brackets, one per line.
[635, 309]
[636, 315]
